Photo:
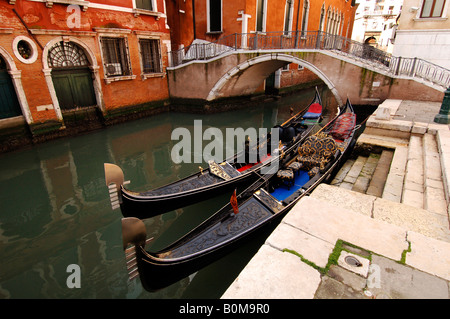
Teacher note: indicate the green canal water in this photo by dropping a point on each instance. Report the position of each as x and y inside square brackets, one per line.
[55, 209]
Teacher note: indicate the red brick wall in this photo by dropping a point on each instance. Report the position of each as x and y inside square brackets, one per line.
[116, 94]
[294, 76]
[230, 25]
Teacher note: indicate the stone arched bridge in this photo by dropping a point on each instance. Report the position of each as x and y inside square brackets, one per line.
[240, 63]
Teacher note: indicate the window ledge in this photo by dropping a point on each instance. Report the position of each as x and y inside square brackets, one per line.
[214, 32]
[138, 12]
[81, 3]
[430, 19]
[112, 31]
[119, 78]
[146, 76]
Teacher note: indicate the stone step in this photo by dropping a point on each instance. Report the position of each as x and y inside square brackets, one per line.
[353, 173]
[379, 177]
[426, 222]
[434, 195]
[393, 187]
[413, 183]
[383, 141]
[363, 180]
[443, 143]
[339, 178]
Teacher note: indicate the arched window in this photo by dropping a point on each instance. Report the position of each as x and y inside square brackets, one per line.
[322, 18]
[305, 18]
[289, 10]
[66, 54]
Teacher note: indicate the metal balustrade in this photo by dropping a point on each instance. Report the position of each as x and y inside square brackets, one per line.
[315, 40]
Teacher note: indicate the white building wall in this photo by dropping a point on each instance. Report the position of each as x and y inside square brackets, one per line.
[430, 45]
[376, 18]
[425, 38]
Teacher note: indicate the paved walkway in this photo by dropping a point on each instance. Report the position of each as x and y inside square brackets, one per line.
[338, 243]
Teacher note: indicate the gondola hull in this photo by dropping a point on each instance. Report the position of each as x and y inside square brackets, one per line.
[225, 231]
[204, 185]
[131, 207]
[155, 276]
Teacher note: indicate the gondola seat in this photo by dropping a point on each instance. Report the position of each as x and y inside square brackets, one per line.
[295, 167]
[313, 172]
[316, 151]
[286, 176]
[343, 126]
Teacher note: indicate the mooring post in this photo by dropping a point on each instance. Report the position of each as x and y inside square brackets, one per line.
[444, 113]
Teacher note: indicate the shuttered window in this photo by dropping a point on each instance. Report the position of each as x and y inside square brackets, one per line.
[115, 56]
[150, 55]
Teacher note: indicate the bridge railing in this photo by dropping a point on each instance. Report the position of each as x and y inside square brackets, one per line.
[316, 40]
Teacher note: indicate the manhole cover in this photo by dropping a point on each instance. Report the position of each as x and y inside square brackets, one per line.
[352, 261]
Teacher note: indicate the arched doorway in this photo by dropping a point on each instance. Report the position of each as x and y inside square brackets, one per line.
[371, 41]
[71, 75]
[9, 104]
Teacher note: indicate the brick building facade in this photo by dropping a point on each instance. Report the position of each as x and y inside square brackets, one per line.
[65, 61]
[211, 20]
[58, 56]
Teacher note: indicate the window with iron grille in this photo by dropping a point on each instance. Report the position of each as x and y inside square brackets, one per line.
[150, 55]
[115, 56]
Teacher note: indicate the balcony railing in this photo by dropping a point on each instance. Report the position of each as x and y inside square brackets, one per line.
[315, 40]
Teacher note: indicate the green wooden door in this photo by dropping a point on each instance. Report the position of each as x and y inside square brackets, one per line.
[74, 87]
[9, 105]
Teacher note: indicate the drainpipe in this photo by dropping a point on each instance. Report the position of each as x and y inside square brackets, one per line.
[29, 31]
[193, 19]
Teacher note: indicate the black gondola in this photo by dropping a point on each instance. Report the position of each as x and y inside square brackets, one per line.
[265, 202]
[215, 180]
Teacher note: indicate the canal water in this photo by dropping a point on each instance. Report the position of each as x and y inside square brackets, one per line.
[55, 209]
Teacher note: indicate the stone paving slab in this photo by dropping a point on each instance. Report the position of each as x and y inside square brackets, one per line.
[331, 288]
[428, 223]
[273, 274]
[418, 111]
[412, 218]
[329, 222]
[349, 200]
[312, 248]
[429, 255]
[397, 281]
